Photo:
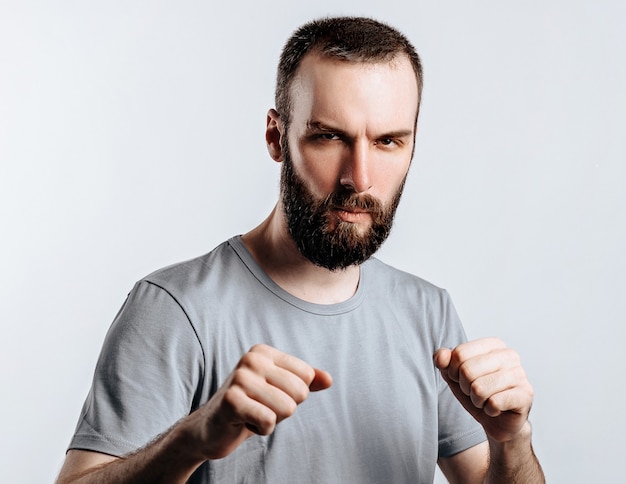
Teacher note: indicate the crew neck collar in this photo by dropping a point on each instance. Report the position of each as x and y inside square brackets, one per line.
[322, 309]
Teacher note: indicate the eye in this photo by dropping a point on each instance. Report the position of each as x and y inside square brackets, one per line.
[386, 141]
[328, 136]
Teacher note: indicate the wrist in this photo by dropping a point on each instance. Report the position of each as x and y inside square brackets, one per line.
[506, 456]
[522, 438]
[514, 460]
[181, 443]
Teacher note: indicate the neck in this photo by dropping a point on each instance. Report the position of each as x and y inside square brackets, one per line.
[275, 251]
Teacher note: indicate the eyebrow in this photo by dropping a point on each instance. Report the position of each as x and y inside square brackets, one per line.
[319, 126]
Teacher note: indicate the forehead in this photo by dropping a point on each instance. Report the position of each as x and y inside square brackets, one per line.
[383, 93]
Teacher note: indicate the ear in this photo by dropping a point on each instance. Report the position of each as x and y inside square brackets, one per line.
[273, 135]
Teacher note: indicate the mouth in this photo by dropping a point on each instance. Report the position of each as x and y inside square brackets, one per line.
[352, 215]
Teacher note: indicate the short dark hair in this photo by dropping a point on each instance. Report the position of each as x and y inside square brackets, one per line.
[351, 39]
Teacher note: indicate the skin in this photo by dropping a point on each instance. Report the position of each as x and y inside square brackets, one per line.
[265, 387]
[352, 125]
[489, 381]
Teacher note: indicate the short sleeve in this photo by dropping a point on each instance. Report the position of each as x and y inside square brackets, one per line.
[148, 375]
[458, 430]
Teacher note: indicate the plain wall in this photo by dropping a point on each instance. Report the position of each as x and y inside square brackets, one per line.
[131, 137]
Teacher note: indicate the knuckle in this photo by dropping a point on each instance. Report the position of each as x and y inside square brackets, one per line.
[309, 375]
[497, 402]
[459, 354]
[465, 387]
[479, 388]
[491, 408]
[290, 409]
[259, 348]
[266, 423]
[252, 360]
[477, 401]
[231, 397]
[301, 394]
[530, 392]
[512, 355]
[518, 378]
[284, 409]
[520, 374]
[239, 377]
[467, 372]
[455, 368]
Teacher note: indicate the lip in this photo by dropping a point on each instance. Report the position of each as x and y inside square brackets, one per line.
[351, 210]
[352, 215]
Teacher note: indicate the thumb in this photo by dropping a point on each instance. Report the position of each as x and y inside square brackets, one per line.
[442, 358]
[321, 381]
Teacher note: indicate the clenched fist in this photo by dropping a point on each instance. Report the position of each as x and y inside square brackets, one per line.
[265, 388]
[490, 382]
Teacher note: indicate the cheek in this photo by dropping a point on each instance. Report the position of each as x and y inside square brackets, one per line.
[323, 179]
[321, 169]
[389, 178]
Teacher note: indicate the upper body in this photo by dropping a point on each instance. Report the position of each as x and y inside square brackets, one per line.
[387, 417]
[344, 130]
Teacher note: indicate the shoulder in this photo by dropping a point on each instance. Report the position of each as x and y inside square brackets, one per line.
[201, 283]
[192, 270]
[199, 276]
[168, 303]
[390, 279]
[423, 303]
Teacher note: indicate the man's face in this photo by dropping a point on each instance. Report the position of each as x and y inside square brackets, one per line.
[346, 154]
[310, 220]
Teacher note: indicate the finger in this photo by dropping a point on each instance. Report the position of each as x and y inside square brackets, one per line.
[272, 385]
[314, 379]
[275, 402]
[479, 413]
[322, 380]
[486, 364]
[295, 387]
[282, 403]
[517, 399]
[292, 376]
[286, 361]
[248, 412]
[288, 383]
[442, 358]
[486, 387]
[471, 349]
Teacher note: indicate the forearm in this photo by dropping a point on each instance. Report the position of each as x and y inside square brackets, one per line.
[264, 388]
[514, 461]
[166, 460]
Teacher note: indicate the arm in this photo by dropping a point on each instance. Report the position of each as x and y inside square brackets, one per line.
[264, 388]
[489, 381]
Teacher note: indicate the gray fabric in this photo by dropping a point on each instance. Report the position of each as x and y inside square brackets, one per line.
[386, 418]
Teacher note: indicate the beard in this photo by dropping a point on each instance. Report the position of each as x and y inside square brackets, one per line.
[319, 234]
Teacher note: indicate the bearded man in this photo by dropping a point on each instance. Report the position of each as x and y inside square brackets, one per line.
[206, 372]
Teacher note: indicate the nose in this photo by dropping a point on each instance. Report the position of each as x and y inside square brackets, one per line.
[356, 170]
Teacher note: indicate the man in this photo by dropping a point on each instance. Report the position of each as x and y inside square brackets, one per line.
[208, 366]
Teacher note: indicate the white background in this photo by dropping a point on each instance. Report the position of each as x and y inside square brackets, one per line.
[131, 137]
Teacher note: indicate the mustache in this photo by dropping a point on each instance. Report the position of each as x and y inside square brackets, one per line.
[351, 200]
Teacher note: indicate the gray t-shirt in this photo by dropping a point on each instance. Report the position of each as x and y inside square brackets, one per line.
[387, 417]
